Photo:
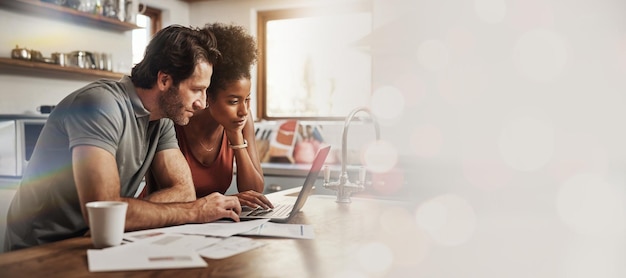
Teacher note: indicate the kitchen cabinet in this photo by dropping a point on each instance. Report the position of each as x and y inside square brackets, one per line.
[39, 69]
[23, 67]
[37, 7]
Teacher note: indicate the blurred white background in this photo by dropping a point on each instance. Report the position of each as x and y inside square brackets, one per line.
[514, 113]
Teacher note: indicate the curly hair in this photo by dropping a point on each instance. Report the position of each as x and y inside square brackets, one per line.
[175, 50]
[239, 53]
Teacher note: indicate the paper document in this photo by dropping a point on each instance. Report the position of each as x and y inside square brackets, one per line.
[229, 246]
[180, 241]
[209, 247]
[158, 252]
[216, 229]
[282, 230]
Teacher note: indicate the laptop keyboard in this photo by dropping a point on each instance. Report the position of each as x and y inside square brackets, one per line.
[279, 210]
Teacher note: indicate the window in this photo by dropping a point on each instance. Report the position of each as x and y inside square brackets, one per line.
[150, 21]
[312, 64]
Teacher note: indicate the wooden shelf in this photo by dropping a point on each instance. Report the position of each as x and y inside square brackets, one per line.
[65, 13]
[23, 67]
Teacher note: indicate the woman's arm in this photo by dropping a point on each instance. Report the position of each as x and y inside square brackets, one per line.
[249, 172]
[250, 182]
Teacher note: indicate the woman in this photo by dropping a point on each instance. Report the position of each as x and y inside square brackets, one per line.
[223, 133]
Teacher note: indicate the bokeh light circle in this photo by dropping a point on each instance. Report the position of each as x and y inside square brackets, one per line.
[431, 216]
[589, 205]
[449, 219]
[380, 156]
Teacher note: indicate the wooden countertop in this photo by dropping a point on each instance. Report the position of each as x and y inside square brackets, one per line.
[345, 235]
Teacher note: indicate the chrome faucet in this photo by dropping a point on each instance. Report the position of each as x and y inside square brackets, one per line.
[344, 186]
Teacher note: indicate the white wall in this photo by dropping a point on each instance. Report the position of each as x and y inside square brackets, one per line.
[23, 93]
[516, 112]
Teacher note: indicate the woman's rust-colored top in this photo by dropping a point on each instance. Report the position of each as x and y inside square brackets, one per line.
[207, 179]
[215, 177]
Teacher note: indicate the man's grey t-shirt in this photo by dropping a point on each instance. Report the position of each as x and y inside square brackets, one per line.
[107, 114]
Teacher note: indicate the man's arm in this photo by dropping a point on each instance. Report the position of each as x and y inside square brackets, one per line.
[173, 176]
[97, 179]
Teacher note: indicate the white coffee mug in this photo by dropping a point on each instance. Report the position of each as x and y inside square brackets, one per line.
[106, 222]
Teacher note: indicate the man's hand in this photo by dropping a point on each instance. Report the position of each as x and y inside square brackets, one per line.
[217, 206]
[253, 199]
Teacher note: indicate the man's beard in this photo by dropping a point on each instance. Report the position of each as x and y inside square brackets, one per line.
[172, 106]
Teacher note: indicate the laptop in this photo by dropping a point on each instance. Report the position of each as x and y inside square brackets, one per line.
[284, 210]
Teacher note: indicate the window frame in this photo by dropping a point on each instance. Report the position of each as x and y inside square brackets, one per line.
[154, 25]
[155, 15]
[263, 17]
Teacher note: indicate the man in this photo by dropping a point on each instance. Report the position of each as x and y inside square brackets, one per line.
[100, 141]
